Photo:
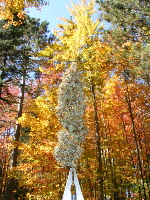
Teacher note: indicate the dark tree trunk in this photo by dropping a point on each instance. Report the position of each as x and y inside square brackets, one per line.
[10, 185]
[135, 140]
[98, 141]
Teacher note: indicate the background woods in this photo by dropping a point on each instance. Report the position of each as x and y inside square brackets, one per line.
[113, 66]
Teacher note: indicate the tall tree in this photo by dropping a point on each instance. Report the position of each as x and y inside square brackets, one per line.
[129, 38]
[18, 46]
[70, 111]
[18, 49]
[75, 42]
[130, 30]
[116, 146]
[14, 10]
[45, 177]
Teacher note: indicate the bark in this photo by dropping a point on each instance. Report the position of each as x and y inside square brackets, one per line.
[131, 156]
[99, 149]
[113, 174]
[10, 185]
[135, 139]
[2, 77]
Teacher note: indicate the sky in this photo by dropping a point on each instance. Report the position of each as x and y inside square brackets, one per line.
[56, 9]
[52, 12]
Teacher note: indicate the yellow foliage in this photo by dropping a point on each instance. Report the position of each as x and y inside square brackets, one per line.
[8, 8]
[40, 117]
[78, 40]
[74, 34]
[37, 164]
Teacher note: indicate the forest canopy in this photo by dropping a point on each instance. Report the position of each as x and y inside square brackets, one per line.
[76, 98]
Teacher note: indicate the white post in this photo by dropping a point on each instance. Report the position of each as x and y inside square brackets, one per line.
[73, 187]
[72, 179]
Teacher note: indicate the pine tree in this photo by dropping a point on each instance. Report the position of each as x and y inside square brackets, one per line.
[19, 45]
[130, 22]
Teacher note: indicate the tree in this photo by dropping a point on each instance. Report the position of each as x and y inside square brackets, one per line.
[76, 42]
[116, 108]
[10, 62]
[14, 10]
[70, 111]
[129, 35]
[130, 30]
[18, 48]
[45, 177]
[115, 160]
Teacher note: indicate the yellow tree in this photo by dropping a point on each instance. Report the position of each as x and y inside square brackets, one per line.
[14, 10]
[38, 170]
[78, 40]
[132, 85]
[122, 147]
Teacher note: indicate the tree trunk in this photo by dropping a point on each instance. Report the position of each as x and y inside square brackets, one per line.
[135, 139]
[10, 185]
[131, 156]
[99, 150]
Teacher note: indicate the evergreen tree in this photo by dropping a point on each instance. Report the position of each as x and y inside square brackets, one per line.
[10, 58]
[18, 45]
[130, 22]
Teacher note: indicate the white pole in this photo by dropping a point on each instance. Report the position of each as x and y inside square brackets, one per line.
[73, 187]
[67, 193]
